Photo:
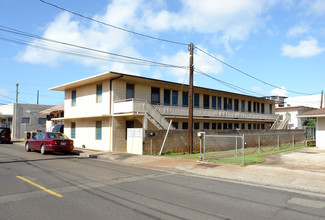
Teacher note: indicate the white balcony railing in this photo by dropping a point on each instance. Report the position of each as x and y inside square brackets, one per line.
[135, 105]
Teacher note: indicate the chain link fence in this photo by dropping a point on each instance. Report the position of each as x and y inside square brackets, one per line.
[214, 147]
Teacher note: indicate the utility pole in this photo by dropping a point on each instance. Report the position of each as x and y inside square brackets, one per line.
[190, 102]
[321, 99]
[37, 97]
[14, 120]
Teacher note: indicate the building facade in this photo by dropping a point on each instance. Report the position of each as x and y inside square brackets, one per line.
[290, 115]
[99, 109]
[22, 117]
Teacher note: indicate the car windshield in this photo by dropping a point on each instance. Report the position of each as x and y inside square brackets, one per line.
[3, 130]
[57, 135]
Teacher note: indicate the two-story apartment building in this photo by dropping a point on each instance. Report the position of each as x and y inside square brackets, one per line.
[99, 109]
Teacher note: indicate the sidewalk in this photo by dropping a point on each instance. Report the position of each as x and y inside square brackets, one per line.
[302, 170]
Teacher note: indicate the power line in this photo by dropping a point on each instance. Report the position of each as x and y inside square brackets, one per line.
[246, 74]
[77, 53]
[243, 90]
[18, 32]
[113, 26]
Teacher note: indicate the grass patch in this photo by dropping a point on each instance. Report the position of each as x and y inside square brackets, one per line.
[252, 155]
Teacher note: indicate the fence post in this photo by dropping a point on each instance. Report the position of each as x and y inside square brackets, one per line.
[243, 149]
[236, 147]
[293, 140]
[278, 143]
[259, 144]
[204, 147]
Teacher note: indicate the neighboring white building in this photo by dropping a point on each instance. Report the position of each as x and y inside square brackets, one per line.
[291, 112]
[319, 114]
[312, 101]
[98, 110]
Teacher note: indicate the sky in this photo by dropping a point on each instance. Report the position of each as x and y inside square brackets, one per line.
[255, 47]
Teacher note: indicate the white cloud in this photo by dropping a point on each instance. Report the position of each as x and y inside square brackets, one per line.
[4, 92]
[279, 92]
[232, 20]
[235, 20]
[317, 8]
[305, 48]
[297, 30]
[201, 61]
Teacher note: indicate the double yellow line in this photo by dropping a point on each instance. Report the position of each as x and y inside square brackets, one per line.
[39, 186]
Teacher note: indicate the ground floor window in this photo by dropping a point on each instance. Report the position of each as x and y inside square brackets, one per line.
[214, 126]
[185, 125]
[206, 125]
[98, 130]
[175, 124]
[73, 129]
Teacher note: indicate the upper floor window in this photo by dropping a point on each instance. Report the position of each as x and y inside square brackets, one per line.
[254, 107]
[258, 107]
[249, 106]
[129, 91]
[206, 125]
[196, 100]
[214, 102]
[243, 105]
[219, 103]
[166, 96]
[175, 97]
[185, 125]
[25, 120]
[271, 107]
[230, 104]
[262, 108]
[225, 103]
[155, 95]
[196, 125]
[185, 99]
[236, 105]
[99, 92]
[73, 97]
[42, 121]
[206, 101]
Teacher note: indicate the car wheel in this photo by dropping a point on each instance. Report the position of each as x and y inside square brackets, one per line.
[43, 149]
[27, 148]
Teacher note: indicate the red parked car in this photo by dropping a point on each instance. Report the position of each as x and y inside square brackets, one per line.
[49, 141]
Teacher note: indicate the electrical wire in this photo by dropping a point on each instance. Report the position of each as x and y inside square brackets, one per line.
[18, 32]
[113, 26]
[248, 75]
[242, 90]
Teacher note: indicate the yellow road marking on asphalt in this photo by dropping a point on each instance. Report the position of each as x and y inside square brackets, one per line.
[39, 186]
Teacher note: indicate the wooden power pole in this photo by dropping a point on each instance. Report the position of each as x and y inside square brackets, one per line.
[190, 103]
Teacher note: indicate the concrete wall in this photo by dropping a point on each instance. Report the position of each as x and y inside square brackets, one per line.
[177, 140]
[320, 133]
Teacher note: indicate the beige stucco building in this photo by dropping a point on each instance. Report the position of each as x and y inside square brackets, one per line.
[99, 109]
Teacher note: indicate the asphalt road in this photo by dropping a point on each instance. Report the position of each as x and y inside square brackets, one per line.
[57, 186]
